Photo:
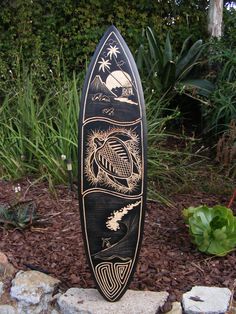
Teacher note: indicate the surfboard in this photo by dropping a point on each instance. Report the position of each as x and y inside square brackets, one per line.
[112, 165]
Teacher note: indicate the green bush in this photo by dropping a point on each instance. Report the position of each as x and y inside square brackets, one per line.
[222, 64]
[212, 229]
[40, 29]
[222, 107]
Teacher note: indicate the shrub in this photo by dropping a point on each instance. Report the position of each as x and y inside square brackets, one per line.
[170, 73]
[41, 28]
[222, 108]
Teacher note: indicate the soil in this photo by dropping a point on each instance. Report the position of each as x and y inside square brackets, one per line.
[167, 262]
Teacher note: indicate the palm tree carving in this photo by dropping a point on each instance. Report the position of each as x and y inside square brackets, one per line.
[112, 53]
[104, 64]
[113, 50]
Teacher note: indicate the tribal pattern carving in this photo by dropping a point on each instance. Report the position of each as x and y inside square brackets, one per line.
[112, 277]
[113, 159]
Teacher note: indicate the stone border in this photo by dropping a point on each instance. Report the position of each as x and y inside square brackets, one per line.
[32, 292]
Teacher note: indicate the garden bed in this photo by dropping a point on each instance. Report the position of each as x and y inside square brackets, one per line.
[168, 261]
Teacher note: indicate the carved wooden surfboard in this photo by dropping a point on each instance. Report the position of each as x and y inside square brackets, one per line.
[112, 165]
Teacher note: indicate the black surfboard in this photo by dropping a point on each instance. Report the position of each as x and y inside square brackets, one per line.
[112, 165]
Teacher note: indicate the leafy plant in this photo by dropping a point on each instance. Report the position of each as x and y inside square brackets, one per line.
[222, 108]
[36, 129]
[212, 229]
[171, 73]
[167, 164]
[20, 215]
[226, 150]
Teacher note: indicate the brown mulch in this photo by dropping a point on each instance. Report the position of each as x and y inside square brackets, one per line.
[168, 261]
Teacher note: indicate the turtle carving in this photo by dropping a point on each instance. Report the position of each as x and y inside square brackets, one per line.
[112, 156]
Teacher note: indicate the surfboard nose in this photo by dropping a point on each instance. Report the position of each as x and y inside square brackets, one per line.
[111, 29]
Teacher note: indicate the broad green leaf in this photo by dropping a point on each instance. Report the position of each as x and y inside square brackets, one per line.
[168, 75]
[167, 50]
[139, 59]
[184, 46]
[190, 58]
[154, 47]
[203, 87]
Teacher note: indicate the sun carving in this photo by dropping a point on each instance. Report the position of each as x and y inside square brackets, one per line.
[113, 50]
[104, 64]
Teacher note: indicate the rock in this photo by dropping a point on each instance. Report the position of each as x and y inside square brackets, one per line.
[6, 269]
[176, 308]
[233, 308]
[1, 289]
[89, 301]
[33, 291]
[7, 309]
[3, 259]
[208, 300]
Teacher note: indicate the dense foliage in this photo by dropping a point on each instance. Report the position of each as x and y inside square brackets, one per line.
[168, 73]
[222, 62]
[40, 29]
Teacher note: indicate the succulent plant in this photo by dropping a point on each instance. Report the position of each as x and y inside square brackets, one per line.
[212, 229]
[20, 215]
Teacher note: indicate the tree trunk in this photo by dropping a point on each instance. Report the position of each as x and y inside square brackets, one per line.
[215, 17]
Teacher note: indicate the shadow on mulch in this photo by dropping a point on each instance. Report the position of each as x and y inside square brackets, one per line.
[168, 261]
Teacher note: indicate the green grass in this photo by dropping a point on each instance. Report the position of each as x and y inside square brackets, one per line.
[36, 130]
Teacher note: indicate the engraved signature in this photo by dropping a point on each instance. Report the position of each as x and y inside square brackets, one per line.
[109, 111]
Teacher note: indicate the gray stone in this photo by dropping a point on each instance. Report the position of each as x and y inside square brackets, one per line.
[7, 309]
[176, 308]
[89, 301]
[208, 300]
[1, 289]
[33, 291]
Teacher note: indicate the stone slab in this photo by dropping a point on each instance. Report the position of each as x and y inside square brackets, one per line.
[207, 300]
[89, 301]
[7, 309]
